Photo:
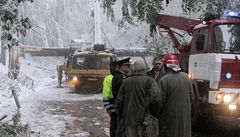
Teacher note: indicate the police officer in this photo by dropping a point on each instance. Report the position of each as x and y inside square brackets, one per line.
[108, 97]
[121, 74]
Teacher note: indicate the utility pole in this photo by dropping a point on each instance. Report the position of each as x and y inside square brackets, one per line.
[98, 44]
[97, 23]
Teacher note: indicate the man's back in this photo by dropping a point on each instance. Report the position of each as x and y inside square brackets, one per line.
[177, 91]
[133, 93]
[177, 88]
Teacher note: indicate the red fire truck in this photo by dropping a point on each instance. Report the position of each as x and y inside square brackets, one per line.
[211, 59]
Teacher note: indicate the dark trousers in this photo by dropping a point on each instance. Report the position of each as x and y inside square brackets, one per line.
[134, 131]
[113, 124]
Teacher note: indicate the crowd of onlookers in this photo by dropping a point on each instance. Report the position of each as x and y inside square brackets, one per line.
[136, 99]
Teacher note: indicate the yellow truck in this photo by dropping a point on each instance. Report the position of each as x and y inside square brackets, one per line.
[86, 70]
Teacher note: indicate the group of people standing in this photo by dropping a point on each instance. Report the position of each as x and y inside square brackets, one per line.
[130, 92]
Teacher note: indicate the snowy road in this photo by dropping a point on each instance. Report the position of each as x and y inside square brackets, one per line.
[61, 112]
[54, 112]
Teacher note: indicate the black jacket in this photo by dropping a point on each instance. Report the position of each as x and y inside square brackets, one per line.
[117, 80]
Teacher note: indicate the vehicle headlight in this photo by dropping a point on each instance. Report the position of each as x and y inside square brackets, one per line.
[227, 98]
[219, 96]
[190, 75]
[232, 107]
[75, 79]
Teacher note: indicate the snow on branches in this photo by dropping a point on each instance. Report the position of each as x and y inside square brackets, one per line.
[11, 23]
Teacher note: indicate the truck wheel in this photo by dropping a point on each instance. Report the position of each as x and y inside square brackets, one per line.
[77, 87]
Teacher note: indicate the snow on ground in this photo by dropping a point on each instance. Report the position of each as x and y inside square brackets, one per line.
[34, 87]
[46, 124]
[30, 79]
[23, 86]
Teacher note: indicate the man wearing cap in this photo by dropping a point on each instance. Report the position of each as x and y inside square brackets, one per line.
[175, 119]
[121, 74]
[158, 70]
[108, 97]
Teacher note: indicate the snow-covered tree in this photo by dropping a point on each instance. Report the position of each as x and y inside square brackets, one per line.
[146, 10]
[11, 23]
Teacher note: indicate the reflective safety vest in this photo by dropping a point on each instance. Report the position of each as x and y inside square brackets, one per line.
[107, 93]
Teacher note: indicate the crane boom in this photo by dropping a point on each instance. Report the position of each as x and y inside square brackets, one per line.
[176, 22]
[181, 23]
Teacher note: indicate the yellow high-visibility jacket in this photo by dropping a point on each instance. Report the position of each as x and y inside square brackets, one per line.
[107, 93]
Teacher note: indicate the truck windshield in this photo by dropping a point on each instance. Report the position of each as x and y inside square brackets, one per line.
[91, 62]
[227, 38]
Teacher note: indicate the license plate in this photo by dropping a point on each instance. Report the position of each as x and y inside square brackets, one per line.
[92, 79]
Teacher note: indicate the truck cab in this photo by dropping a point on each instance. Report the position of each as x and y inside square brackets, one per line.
[211, 59]
[88, 69]
[214, 63]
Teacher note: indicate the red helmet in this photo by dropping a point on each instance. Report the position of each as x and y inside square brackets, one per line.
[170, 59]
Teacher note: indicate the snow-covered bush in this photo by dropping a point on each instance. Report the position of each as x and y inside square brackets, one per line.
[23, 85]
[26, 81]
[14, 128]
[22, 82]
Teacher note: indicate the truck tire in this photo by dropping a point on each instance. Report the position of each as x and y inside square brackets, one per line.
[77, 87]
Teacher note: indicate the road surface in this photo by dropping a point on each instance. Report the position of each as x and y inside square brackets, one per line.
[60, 112]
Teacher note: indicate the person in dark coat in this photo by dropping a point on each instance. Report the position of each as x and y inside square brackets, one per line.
[107, 97]
[123, 67]
[137, 94]
[158, 70]
[175, 118]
